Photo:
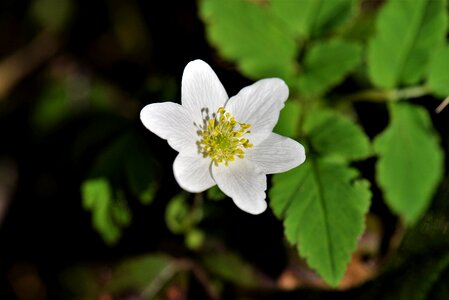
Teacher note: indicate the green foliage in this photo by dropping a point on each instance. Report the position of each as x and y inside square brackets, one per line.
[310, 18]
[410, 164]
[246, 32]
[125, 164]
[52, 14]
[407, 32]
[327, 63]
[214, 193]
[109, 212]
[232, 268]
[131, 274]
[323, 207]
[288, 124]
[323, 197]
[438, 77]
[182, 218]
[52, 108]
[333, 134]
[138, 273]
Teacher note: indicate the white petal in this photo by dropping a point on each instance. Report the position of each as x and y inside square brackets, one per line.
[259, 105]
[192, 172]
[201, 89]
[276, 154]
[172, 122]
[243, 183]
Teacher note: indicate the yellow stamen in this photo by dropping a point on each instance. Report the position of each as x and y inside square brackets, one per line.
[220, 138]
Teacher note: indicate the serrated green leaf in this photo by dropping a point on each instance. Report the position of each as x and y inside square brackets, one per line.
[248, 33]
[410, 164]
[330, 133]
[109, 215]
[407, 32]
[309, 18]
[323, 206]
[326, 64]
[438, 77]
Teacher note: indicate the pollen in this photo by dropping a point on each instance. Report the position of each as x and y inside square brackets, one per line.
[221, 138]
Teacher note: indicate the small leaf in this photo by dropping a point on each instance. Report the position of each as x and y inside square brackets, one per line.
[309, 18]
[214, 193]
[333, 134]
[109, 215]
[180, 216]
[323, 207]
[248, 33]
[407, 32]
[410, 164]
[176, 214]
[326, 64]
[438, 77]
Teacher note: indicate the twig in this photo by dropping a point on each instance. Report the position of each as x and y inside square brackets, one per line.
[15, 67]
[442, 105]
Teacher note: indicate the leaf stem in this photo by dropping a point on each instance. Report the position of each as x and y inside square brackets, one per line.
[375, 95]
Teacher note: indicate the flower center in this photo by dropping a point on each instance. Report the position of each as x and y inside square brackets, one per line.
[221, 137]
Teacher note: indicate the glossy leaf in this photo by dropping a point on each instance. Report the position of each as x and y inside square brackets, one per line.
[326, 64]
[410, 164]
[323, 206]
[407, 32]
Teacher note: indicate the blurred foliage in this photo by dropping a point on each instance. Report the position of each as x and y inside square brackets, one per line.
[97, 189]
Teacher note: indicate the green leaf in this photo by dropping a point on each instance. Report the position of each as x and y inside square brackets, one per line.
[128, 160]
[232, 268]
[109, 215]
[438, 77]
[181, 217]
[323, 207]
[214, 193]
[309, 18]
[407, 32]
[249, 34]
[326, 64]
[330, 133]
[289, 118]
[410, 164]
[138, 273]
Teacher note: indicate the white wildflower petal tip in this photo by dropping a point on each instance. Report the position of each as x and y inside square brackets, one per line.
[171, 122]
[192, 172]
[201, 89]
[277, 154]
[259, 105]
[242, 182]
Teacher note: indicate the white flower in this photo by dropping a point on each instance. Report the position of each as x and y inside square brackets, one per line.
[228, 142]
